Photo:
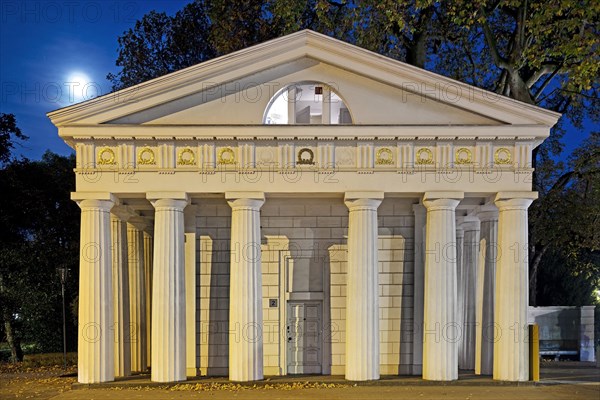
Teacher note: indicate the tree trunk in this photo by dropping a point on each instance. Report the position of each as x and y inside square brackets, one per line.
[536, 260]
[11, 337]
[518, 87]
[416, 53]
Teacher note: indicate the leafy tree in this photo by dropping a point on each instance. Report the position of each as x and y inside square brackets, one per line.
[159, 44]
[40, 233]
[566, 221]
[9, 131]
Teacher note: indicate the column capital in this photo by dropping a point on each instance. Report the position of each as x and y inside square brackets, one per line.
[514, 200]
[443, 195]
[348, 196]
[239, 200]
[442, 200]
[169, 203]
[168, 199]
[245, 195]
[470, 223]
[487, 212]
[167, 195]
[363, 200]
[101, 200]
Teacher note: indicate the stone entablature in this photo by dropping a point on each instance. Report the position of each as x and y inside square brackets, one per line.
[361, 154]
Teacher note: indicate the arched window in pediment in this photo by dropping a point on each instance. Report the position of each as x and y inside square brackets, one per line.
[307, 103]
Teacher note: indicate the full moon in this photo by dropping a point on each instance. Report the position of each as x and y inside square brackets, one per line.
[78, 85]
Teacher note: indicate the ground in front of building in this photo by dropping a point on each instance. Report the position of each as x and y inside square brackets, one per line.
[560, 380]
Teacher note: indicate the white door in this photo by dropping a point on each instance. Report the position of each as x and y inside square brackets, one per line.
[304, 337]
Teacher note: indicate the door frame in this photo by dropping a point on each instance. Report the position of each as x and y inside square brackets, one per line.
[284, 297]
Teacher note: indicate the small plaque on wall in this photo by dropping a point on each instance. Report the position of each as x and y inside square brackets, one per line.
[273, 303]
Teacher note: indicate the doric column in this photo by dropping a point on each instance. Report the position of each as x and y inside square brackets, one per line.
[362, 299]
[485, 329]
[120, 276]
[168, 287]
[245, 283]
[95, 337]
[419, 282]
[148, 254]
[511, 349]
[460, 300]
[467, 289]
[137, 298]
[440, 330]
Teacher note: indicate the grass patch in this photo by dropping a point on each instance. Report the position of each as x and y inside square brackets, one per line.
[48, 360]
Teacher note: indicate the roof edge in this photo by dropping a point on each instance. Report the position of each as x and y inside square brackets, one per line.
[309, 39]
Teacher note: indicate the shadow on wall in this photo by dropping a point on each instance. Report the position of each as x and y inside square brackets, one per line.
[214, 230]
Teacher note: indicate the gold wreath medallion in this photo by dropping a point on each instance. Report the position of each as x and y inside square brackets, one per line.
[226, 156]
[306, 161]
[186, 156]
[384, 156]
[146, 156]
[427, 160]
[106, 156]
[463, 156]
[502, 156]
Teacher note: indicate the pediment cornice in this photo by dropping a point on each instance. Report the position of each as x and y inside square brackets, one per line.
[291, 48]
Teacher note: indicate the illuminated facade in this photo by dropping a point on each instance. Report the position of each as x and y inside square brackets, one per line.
[303, 206]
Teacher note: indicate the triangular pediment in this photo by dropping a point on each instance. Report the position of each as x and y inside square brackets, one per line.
[235, 89]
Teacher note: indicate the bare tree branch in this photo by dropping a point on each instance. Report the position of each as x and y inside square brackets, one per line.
[537, 75]
[491, 42]
[501, 82]
[545, 84]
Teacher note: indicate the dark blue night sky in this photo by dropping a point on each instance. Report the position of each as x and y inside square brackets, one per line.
[51, 51]
[56, 53]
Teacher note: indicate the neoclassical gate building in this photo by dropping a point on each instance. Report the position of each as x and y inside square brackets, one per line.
[303, 206]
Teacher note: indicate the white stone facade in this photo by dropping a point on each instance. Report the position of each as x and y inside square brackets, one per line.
[372, 243]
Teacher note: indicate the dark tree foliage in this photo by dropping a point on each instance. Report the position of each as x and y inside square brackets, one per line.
[9, 132]
[40, 233]
[567, 228]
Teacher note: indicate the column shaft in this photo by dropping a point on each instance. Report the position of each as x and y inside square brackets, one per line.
[95, 339]
[362, 299]
[137, 293]
[486, 329]
[440, 330]
[245, 300]
[511, 350]
[148, 252]
[468, 287]
[120, 275]
[168, 290]
[460, 289]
